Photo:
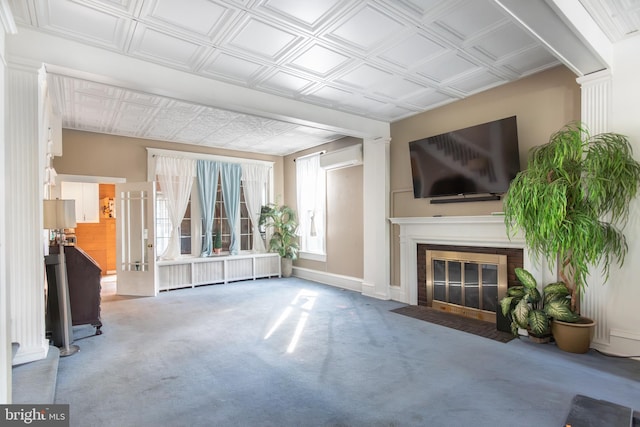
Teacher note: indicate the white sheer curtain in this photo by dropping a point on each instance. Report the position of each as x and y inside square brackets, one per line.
[254, 181]
[176, 179]
[311, 194]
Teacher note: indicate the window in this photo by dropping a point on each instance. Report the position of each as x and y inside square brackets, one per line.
[167, 167]
[163, 224]
[222, 223]
[311, 195]
[185, 231]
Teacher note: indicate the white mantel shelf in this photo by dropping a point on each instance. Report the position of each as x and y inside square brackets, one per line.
[478, 231]
[485, 230]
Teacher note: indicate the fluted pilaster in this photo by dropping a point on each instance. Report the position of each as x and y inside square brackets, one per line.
[24, 159]
[376, 177]
[595, 111]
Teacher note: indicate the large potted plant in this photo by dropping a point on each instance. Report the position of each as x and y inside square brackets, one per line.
[571, 203]
[281, 221]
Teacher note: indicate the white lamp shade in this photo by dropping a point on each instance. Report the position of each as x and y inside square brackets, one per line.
[59, 214]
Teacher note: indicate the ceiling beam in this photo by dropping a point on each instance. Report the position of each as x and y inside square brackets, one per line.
[546, 21]
[578, 18]
[95, 64]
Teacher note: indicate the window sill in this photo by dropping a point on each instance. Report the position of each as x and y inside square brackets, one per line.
[312, 256]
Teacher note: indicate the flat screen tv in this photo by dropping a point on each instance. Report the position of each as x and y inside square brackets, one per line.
[481, 159]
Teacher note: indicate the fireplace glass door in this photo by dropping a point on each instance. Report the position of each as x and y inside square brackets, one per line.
[469, 284]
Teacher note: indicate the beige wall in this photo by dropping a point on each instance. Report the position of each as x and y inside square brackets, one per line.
[345, 251]
[96, 154]
[543, 103]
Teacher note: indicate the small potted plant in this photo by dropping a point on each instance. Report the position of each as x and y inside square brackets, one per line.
[217, 242]
[527, 308]
[571, 203]
[281, 221]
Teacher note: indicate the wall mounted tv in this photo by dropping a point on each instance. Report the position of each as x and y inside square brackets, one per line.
[478, 160]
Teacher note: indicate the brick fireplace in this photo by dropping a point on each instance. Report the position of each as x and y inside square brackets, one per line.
[478, 234]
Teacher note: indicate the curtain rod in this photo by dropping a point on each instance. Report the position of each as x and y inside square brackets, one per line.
[153, 152]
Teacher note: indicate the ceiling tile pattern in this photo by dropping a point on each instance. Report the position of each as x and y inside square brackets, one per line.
[98, 107]
[335, 53]
[382, 59]
[619, 19]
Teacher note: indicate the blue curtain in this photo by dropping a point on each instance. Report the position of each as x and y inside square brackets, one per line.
[231, 174]
[207, 173]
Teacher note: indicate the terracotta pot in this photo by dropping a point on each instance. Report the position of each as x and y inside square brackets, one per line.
[286, 267]
[573, 337]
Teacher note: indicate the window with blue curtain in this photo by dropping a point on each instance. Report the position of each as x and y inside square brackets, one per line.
[218, 186]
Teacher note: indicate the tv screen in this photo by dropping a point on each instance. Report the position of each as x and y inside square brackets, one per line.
[481, 159]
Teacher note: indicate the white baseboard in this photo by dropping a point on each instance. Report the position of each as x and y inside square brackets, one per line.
[396, 293]
[621, 343]
[369, 290]
[31, 354]
[337, 280]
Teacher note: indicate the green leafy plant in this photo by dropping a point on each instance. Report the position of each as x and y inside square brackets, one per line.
[527, 308]
[282, 221]
[573, 200]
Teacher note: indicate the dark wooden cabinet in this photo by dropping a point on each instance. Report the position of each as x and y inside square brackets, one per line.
[83, 277]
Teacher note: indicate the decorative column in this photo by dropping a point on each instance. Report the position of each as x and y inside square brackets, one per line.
[376, 173]
[7, 26]
[595, 111]
[596, 101]
[24, 170]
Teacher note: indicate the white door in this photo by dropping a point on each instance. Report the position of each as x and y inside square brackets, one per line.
[135, 226]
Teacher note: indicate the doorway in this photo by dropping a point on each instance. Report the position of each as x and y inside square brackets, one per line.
[96, 237]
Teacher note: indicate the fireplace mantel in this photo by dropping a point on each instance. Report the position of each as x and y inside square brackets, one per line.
[479, 231]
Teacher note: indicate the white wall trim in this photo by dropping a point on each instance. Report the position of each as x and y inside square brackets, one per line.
[312, 256]
[396, 293]
[6, 17]
[622, 343]
[480, 231]
[376, 190]
[25, 163]
[595, 111]
[337, 280]
[578, 19]
[90, 178]
[596, 101]
[5, 307]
